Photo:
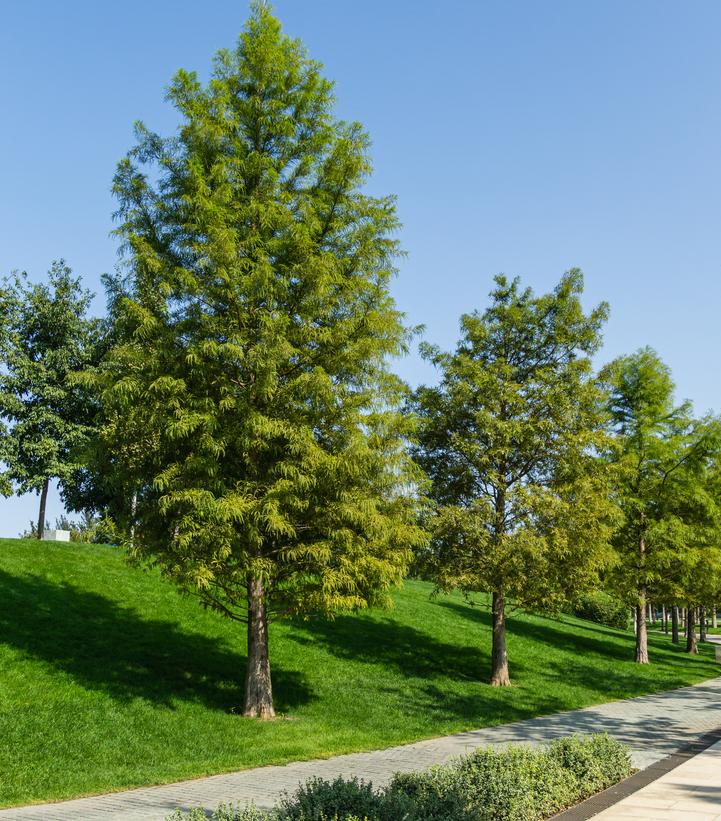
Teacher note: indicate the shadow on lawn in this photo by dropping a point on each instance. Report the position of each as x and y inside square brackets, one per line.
[449, 680]
[107, 647]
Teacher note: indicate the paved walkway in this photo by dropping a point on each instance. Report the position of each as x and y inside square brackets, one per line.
[653, 726]
[691, 792]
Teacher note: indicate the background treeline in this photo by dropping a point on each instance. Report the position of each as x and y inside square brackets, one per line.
[234, 419]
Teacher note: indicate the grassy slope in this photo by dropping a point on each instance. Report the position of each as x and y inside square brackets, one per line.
[110, 679]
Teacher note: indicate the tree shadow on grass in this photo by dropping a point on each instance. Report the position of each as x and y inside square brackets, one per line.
[628, 679]
[105, 646]
[429, 679]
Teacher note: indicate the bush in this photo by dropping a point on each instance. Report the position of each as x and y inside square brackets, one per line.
[512, 784]
[603, 609]
[320, 800]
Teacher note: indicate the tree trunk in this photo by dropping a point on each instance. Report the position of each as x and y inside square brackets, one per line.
[258, 690]
[641, 636]
[649, 614]
[714, 619]
[499, 657]
[133, 513]
[664, 618]
[674, 624]
[691, 646]
[43, 505]
[702, 623]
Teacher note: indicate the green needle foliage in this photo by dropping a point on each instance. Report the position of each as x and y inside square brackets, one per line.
[665, 485]
[255, 325]
[510, 440]
[46, 341]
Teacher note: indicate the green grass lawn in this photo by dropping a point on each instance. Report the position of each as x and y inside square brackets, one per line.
[110, 679]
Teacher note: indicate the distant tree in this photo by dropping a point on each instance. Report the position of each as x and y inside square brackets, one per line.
[256, 324]
[509, 440]
[660, 455]
[47, 338]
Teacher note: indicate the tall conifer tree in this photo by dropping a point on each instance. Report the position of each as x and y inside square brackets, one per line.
[509, 439]
[257, 322]
[664, 485]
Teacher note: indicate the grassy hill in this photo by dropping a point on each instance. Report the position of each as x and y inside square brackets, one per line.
[110, 679]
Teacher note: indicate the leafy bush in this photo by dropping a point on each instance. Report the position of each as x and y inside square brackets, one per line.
[318, 800]
[603, 609]
[513, 784]
[596, 762]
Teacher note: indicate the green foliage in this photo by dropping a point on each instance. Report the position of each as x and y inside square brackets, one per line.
[255, 326]
[509, 784]
[602, 608]
[319, 799]
[46, 340]
[223, 813]
[666, 483]
[514, 783]
[509, 440]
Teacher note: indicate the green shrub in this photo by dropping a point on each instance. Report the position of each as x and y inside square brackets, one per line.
[223, 813]
[319, 800]
[516, 783]
[603, 609]
[596, 762]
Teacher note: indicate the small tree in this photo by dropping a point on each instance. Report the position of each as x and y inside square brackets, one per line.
[256, 322]
[509, 440]
[47, 340]
[660, 458]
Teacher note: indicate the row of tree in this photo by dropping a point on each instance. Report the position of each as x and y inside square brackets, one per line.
[235, 415]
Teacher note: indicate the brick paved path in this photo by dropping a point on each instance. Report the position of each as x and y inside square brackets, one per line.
[653, 726]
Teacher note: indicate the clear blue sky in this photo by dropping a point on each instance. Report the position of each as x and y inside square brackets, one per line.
[523, 137]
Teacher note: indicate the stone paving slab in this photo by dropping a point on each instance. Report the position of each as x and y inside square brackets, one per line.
[691, 791]
[653, 726]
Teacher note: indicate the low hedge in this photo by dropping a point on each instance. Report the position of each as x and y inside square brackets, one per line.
[516, 783]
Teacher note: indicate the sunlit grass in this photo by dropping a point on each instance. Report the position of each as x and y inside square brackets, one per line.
[110, 679]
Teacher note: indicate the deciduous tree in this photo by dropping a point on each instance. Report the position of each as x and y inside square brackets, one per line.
[47, 339]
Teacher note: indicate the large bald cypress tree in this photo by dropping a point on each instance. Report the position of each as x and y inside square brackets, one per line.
[256, 323]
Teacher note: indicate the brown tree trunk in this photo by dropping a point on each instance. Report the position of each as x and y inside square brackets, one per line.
[258, 689]
[691, 646]
[674, 624]
[43, 505]
[702, 623]
[641, 636]
[499, 656]
[664, 618]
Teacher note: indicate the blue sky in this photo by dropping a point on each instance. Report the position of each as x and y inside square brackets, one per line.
[523, 137]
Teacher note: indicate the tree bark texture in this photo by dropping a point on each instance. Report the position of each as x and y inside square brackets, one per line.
[43, 505]
[258, 689]
[702, 623]
[691, 646]
[641, 635]
[499, 656]
[664, 618]
[714, 618]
